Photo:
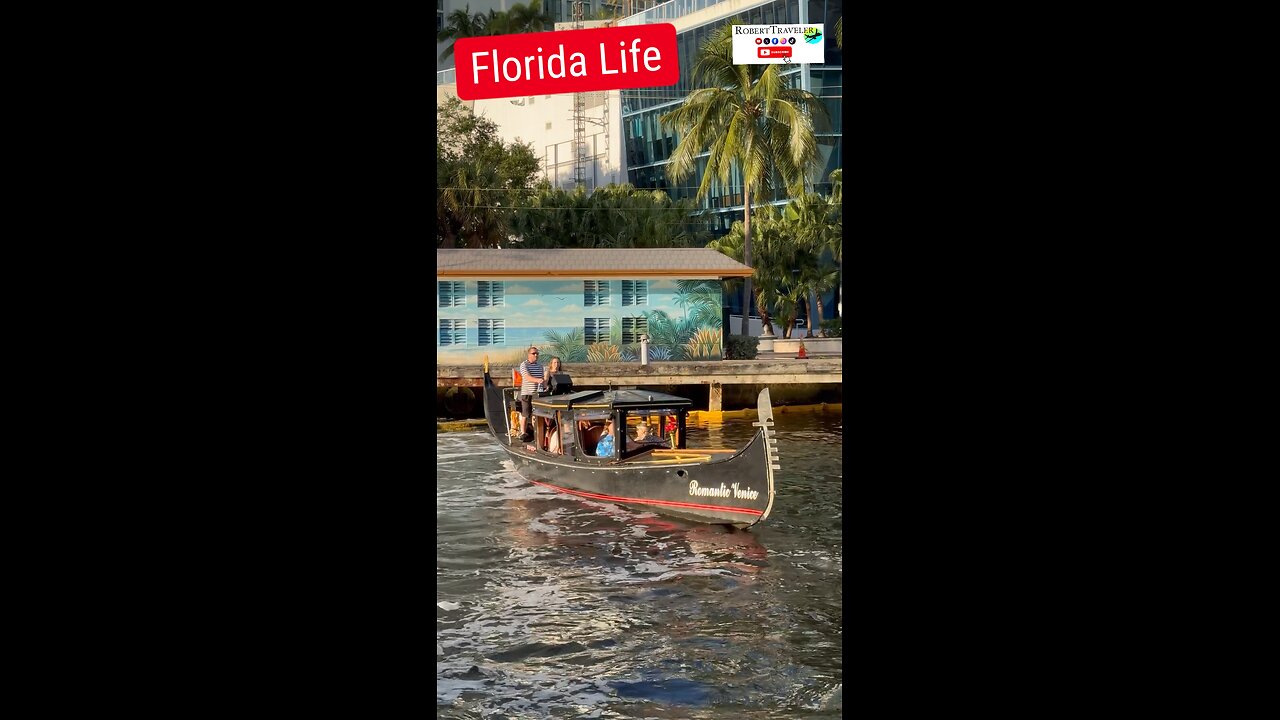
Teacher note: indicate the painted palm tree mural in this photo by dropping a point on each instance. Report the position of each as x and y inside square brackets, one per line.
[700, 300]
[568, 346]
[683, 338]
[578, 320]
[683, 322]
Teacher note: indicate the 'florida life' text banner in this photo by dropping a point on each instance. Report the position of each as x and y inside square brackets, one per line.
[566, 61]
[768, 44]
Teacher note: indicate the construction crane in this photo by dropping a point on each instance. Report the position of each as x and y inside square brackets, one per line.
[579, 118]
[581, 156]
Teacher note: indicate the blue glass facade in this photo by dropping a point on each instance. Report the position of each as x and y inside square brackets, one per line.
[649, 145]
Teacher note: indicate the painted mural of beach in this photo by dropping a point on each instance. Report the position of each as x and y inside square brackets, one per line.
[582, 321]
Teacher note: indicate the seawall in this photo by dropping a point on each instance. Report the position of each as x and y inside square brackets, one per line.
[712, 386]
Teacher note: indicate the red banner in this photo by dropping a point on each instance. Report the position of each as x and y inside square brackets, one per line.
[567, 61]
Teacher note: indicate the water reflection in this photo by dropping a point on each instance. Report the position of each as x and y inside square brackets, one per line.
[556, 606]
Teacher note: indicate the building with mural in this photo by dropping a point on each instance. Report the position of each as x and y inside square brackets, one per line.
[581, 305]
[623, 140]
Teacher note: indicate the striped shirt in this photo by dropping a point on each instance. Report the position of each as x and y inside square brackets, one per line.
[530, 375]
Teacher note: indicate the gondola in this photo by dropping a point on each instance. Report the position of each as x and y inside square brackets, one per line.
[718, 486]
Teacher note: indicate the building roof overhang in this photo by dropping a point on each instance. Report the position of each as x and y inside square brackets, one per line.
[690, 263]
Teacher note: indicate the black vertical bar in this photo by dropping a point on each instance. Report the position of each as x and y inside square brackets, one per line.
[620, 432]
[680, 429]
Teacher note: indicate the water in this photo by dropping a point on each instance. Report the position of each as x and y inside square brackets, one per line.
[550, 606]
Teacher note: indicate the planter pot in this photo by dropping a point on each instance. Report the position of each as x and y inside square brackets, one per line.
[825, 346]
[765, 344]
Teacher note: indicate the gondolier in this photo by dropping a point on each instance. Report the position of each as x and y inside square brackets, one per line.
[531, 374]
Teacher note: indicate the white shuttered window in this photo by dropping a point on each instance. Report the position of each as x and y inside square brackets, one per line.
[595, 293]
[453, 333]
[595, 330]
[632, 328]
[451, 294]
[635, 292]
[490, 293]
[493, 332]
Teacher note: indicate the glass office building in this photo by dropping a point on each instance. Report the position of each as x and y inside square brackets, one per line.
[649, 145]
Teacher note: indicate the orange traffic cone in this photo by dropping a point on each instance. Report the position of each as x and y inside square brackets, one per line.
[802, 355]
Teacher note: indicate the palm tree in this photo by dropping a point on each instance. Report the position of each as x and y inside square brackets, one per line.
[748, 118]
[788, 307]
[811, 220]
[775, 256]
[836, 240]
[840, 33]
[476, 216]
[519, 19]
[461, 23]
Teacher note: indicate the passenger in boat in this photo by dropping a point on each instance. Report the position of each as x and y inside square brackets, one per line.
[553, 439]
[643, 436]
[557, 380]
[531, 375]
[604, 448]
[566, 435]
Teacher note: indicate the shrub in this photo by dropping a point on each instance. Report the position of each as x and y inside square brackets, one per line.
[832, 327]
[741, 347]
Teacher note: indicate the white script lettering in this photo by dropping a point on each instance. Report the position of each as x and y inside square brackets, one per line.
[733, 490]
[721, 491]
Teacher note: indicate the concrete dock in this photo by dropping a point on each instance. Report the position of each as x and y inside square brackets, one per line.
[775, 372]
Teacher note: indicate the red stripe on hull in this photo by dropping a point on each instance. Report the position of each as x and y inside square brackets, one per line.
[647, 501]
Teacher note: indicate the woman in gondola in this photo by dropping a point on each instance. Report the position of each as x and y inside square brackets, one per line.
[558, 382]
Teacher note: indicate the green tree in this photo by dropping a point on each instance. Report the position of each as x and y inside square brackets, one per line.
[774, 258]
[835, 241]
[811, 221]
[612, 216]
[519, 19]
[748, 118]
[478, 177]
[461, 24]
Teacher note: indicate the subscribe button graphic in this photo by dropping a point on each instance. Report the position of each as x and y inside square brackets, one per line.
[775, 52]
[568, 61]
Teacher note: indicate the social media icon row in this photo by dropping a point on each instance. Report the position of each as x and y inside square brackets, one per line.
[775, 41]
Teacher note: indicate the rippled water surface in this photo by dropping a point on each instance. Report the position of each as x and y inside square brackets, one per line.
[555, 606]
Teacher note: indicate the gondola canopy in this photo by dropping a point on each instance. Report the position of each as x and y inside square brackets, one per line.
[614, 399]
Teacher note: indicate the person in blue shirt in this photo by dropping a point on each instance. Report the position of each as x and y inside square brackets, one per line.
[604, 448]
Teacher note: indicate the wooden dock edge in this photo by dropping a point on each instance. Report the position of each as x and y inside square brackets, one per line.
[713, 415]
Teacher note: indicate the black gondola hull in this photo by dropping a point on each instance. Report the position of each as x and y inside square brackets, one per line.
[735, 490]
